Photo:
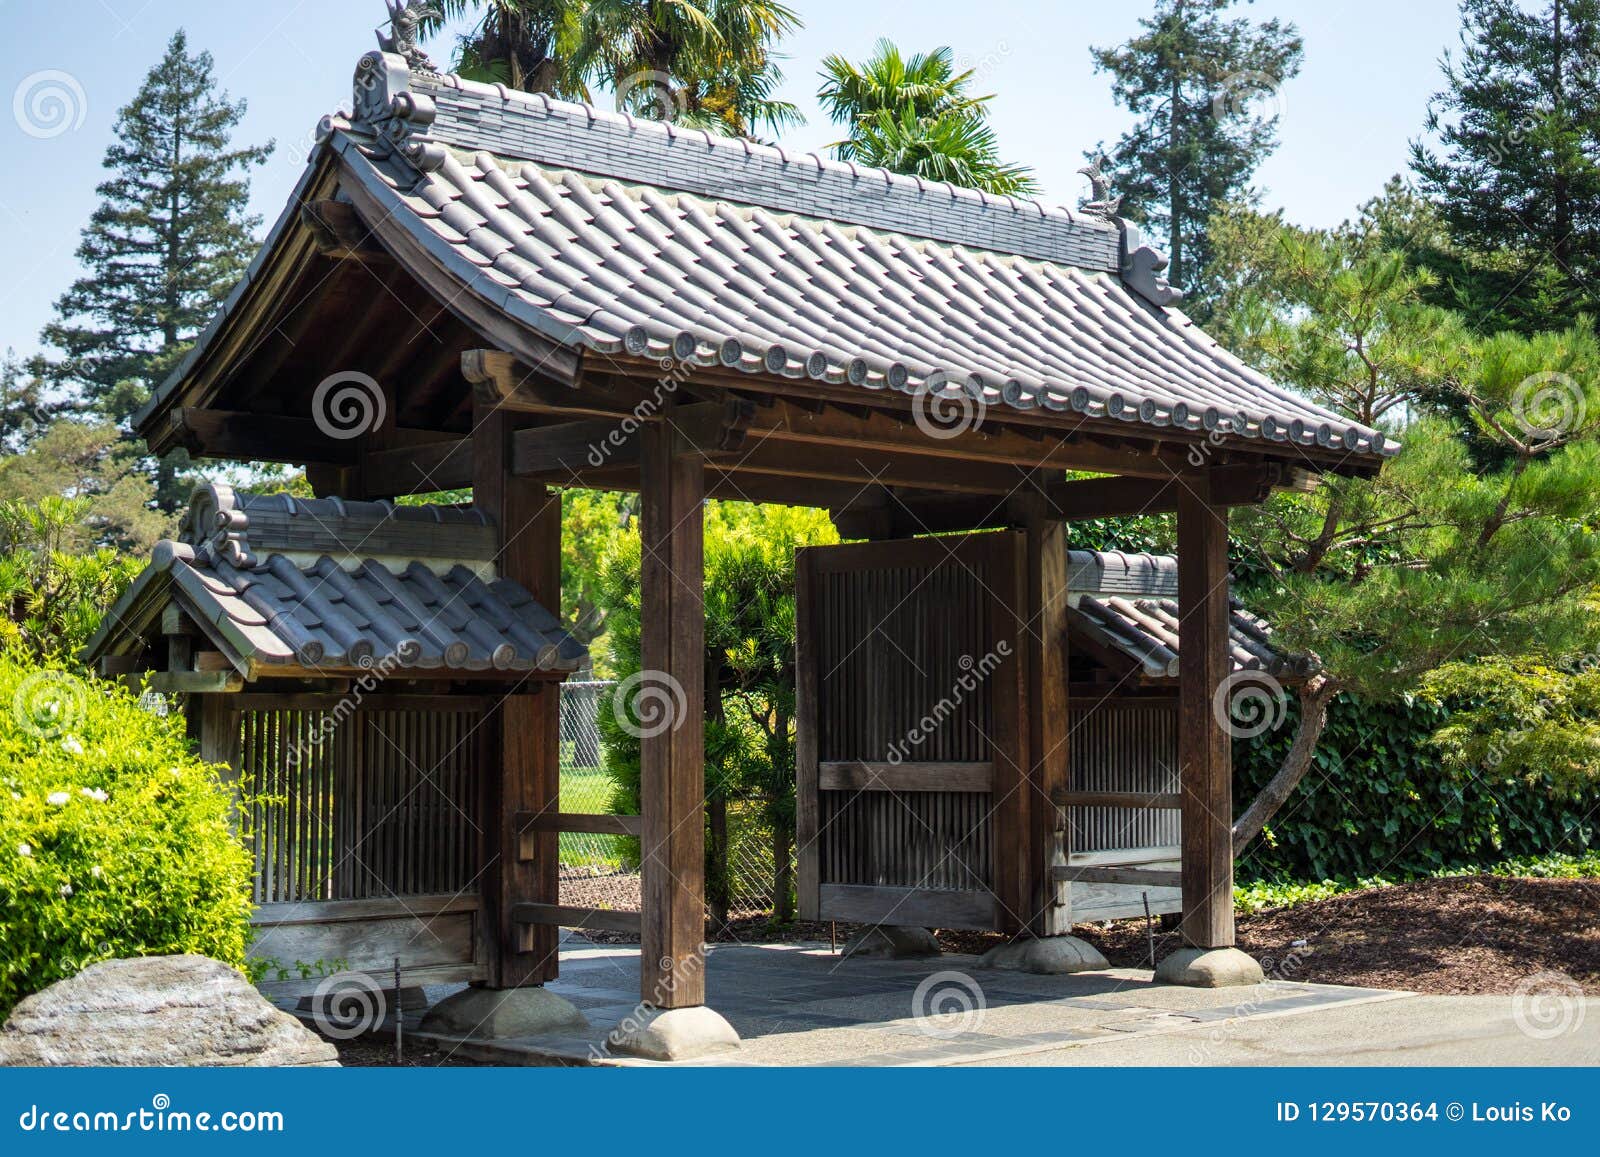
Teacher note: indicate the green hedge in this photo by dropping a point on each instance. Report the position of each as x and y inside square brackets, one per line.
[1378, 802]
[114, 839]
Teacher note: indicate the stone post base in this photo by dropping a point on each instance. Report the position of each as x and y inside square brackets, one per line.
[673, 1034]
[891, 942]
[1047, 956]
[499, 1013]
[1209, 968]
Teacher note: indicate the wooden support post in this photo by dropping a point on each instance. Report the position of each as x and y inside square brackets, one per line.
[672, 759]
[1204, 748]
[522, 747]
[1051, 912]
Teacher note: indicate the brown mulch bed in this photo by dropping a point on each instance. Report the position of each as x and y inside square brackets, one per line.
[1463, 935]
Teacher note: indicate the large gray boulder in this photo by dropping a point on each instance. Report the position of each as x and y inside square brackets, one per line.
[157, 1010]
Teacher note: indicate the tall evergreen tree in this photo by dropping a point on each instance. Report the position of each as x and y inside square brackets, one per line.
[169, 239]
[1194, 78]
[1516, 167]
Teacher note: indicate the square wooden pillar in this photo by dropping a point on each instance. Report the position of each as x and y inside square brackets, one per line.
[1050, 721]
[1049, 910]
[520, 739]
[1205, 757]
[672, 757]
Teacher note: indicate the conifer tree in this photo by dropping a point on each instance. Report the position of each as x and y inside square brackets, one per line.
[1203, 86]
[168, 241]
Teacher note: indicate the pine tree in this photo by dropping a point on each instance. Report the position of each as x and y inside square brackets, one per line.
[169, 239]
[1516, 174]
[1196, 80]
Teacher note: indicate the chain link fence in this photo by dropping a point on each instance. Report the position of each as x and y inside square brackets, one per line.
[596, 871]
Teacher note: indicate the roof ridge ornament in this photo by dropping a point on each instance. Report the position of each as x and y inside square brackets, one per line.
[405, 20]
[1100, 203]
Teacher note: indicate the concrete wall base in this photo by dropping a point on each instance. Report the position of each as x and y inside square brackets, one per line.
[1046, 956]
[673, 1034]
[1209, 968]
[497, 1014]
[891, 942]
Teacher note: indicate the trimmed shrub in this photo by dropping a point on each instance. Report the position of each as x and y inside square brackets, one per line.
[1380, 800]
[114, 838]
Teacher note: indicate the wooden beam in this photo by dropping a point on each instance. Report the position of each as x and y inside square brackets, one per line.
[338, 232]
[672, 760]
[551, 916]
[1204, 747]
[1138, 877]
[886, 515]
[591, 824]
[860, 775]
[265, 437]
[1122, 799]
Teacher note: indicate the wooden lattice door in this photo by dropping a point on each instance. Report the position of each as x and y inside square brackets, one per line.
[911, 739]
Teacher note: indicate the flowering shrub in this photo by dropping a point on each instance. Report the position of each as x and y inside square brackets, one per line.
[114, 839]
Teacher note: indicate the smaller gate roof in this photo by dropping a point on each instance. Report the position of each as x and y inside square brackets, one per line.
[1129, 603]
[317, 585]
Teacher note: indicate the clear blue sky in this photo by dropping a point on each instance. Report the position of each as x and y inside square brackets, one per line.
[1346, 120]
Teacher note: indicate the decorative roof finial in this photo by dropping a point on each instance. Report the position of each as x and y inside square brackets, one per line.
[405, 16]
[1100, 203]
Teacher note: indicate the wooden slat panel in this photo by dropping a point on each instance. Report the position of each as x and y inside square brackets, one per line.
[858, 775]
[808, 847]
[908, 906]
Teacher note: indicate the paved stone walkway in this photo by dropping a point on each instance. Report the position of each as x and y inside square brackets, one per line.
[802, 1005]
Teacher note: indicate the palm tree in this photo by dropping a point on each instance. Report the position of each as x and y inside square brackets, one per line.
[515, 43]
[917, 117]
[707, 63]
[704, 63]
